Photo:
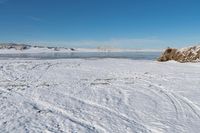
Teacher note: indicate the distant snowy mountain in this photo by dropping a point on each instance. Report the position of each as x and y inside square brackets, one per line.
[24, 48]
[14, 46]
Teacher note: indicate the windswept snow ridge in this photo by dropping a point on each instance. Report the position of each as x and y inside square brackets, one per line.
[100, 95]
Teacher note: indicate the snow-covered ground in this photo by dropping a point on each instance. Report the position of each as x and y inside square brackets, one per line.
[99, 95]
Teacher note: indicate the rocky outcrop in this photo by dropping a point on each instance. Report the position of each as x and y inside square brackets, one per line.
[190, 54]
[25, 47]
[14, 46]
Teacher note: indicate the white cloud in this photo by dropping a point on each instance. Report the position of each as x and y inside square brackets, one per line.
[34, 18]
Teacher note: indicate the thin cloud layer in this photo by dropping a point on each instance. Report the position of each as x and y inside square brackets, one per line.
[34, 18]
[112, 43]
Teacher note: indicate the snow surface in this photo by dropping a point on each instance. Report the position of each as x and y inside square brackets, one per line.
[99, 95]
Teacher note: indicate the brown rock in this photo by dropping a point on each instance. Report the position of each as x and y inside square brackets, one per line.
[190, 54]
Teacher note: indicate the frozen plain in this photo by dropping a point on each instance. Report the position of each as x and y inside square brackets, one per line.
[99, 95]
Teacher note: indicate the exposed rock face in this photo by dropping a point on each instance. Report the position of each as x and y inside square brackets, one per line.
[14, 46]
[25, 47]
[190, 54]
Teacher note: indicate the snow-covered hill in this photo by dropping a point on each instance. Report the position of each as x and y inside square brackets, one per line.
[102, 95]
[12, 48]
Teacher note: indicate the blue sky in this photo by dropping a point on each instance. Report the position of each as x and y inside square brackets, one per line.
[106, 23]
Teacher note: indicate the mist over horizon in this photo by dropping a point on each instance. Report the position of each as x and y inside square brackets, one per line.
[114, 43]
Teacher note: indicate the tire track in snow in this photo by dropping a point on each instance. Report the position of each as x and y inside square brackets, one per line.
[106, 109]
[167, 94]
[54, 108]
[60, 111]
[179, 99]
[189, 103]
[57, 110]
[87, 105]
